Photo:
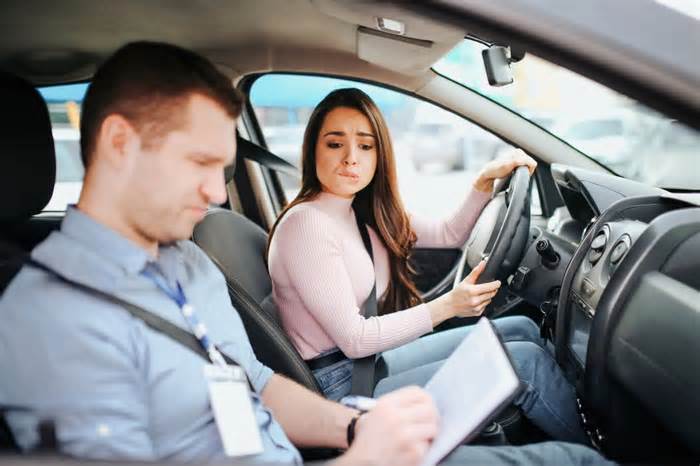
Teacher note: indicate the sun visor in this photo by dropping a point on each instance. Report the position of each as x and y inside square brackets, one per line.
[397, 53]
[420, 44]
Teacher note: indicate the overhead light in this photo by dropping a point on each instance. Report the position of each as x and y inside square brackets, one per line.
[391, 26]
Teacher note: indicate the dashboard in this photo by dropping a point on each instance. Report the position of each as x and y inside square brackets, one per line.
[612, 214]
[615, 274]
[570, 263]
[617, 268]
[606, 252]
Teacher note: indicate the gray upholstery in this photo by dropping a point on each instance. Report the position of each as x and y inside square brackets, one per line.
[237, 246]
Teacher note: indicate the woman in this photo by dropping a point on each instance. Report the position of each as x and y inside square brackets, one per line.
[322, 273]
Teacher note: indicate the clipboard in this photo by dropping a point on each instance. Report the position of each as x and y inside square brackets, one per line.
[474, 384]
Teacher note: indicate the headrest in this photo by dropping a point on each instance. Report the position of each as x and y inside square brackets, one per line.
[27, 157]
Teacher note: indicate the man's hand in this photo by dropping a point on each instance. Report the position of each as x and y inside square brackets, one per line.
[397, 431]
[502, 167]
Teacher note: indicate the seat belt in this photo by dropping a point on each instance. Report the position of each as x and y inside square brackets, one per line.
[363, 369]
[46, 431]
[251, 151]
[152, 320]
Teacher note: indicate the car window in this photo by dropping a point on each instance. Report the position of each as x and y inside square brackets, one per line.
[618, 132]
[438, 153]
[594, 129]
[688, 7]
[64, 103]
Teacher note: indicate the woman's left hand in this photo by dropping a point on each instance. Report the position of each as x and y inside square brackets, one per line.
[503, 167]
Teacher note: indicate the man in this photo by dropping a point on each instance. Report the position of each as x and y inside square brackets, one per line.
[157, 130]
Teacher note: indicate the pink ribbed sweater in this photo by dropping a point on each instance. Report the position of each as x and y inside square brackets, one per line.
[321, 275]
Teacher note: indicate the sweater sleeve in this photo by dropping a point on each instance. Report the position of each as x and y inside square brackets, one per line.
[453, 231]
[312, 257]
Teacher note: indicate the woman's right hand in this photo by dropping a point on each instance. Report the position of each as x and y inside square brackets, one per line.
[468, 299]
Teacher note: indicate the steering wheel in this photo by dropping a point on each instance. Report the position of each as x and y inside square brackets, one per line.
[500, 232]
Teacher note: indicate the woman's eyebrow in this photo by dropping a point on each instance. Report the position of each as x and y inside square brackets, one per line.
[342, 133]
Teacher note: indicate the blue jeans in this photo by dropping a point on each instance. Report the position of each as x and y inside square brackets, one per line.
[537, 454]
[558, 453]
[548, 399]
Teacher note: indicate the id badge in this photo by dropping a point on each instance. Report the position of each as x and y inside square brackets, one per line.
[233, 410]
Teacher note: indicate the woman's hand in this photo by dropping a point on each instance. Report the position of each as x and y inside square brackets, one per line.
[467, 300]
[503, 167]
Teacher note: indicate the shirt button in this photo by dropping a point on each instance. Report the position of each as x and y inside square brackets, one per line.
[103, 430]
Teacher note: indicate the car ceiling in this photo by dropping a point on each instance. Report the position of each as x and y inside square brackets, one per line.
[52, 42]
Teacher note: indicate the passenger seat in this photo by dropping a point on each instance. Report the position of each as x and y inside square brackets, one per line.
[27, 172]
[27, 176]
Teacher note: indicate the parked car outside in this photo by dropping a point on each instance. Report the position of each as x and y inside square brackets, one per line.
[69, 168]
[612, 137]
[672, 145]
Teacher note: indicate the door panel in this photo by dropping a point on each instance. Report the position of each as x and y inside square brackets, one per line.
[434, 267]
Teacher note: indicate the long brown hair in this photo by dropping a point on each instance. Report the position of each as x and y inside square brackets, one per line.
[377, 205]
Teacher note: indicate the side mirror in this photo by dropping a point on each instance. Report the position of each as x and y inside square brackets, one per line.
[497, 60]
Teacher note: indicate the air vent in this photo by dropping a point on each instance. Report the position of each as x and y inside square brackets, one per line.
[598, 247]
[620, 249]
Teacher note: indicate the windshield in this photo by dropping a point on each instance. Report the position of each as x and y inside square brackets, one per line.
[621, 134]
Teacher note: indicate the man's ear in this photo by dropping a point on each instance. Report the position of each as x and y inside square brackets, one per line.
[117, 140]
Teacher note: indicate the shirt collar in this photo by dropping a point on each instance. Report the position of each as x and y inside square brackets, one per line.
[104, 241]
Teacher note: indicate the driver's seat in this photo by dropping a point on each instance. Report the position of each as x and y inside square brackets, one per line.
[237, 246]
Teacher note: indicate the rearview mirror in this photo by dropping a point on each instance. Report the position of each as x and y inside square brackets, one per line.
[497, 60]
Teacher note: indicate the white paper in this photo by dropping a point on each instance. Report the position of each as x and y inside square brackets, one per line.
[469, 387]
[233, 410]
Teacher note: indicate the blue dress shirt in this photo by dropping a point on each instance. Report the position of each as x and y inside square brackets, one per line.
[116, 388]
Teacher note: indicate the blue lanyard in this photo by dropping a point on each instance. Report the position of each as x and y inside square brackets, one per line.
[196, 327]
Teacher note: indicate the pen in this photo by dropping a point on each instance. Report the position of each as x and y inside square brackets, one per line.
[360, 403]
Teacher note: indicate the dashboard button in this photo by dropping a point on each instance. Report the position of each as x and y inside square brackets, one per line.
[587, 288]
